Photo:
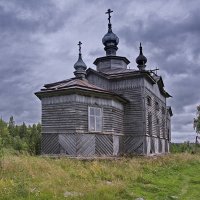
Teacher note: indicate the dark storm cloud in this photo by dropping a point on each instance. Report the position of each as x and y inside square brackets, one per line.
[23, 24]
[17, 67]
[28, 16]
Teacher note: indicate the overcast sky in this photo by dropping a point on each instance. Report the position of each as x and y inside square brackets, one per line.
[38, 45]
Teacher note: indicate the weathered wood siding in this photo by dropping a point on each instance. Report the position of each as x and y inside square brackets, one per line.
[113, 120]
[159, 116]
[134, 114]
[133, 117]
[115, 84]
[158, 129]
[50, 144]
[134, 144]
[154, 89]
[131, 89]
[90, 144]
[136, 122]
[65, 120]
[98, 81]
[71, 114]
[62, 118]
[168, 129]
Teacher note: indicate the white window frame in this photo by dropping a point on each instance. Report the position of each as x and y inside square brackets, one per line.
[95, 119]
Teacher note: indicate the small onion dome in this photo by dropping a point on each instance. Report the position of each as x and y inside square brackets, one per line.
[80, 68]
[110, 38]
[110, 41]
[141, 59]
[80, 64]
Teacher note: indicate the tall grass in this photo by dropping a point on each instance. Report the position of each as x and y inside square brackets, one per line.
[164, 177]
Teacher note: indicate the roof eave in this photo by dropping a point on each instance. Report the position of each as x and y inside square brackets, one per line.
[111, 57]
[49, 93]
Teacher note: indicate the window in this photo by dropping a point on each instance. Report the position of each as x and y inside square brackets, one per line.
[149, 123]
[157, 105]
[168, 134]
[163, 110]
[149, 101]
[95, 119]
[163, 127]
[157, 127]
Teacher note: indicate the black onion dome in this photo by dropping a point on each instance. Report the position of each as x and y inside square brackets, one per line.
[141, 59]
[80, 64]
[110, 37]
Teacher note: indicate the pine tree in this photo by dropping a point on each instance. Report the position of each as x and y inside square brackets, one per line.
[4, 133]
[11, 126]
[23, 130]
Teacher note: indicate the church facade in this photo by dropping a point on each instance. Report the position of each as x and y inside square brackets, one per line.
[110, 111]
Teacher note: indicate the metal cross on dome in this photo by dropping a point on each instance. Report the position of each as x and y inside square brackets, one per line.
[155, 71]
[79, 44]
[109, 16]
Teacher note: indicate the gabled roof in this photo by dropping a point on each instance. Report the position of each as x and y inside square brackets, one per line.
[72, 85]
[73, 82]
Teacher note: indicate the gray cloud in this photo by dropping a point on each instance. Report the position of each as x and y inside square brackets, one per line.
[30, 16]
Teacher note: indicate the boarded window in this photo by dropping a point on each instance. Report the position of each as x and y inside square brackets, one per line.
[157, 127]
[168, 134]
[163, 127]
[157, 105]
[149, 123]
[149, 102]
[163, 110]
[95, 119]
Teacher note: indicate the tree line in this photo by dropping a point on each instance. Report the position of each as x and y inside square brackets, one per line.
[20, 137]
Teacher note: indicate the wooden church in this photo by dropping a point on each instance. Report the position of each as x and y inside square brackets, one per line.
[110, 111]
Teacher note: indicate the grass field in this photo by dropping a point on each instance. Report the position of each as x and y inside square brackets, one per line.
[174, 176]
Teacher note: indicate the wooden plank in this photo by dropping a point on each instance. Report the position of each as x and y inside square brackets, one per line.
[104, 145]
[49, 144]
[133, 145]
[68, 143]
[85, 145]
